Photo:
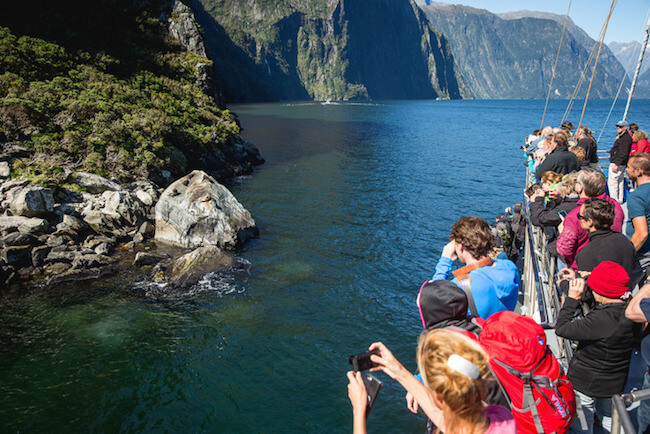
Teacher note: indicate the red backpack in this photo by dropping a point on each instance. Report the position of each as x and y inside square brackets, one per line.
[541, 397]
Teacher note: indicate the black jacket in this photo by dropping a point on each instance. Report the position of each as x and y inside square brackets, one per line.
[541, 215]
[591, 150]
[620, 152]
[560, 160]
[607, 245]
[605, 340]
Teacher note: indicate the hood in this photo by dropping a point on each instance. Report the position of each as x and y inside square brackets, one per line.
[443, 304]
[505, 279]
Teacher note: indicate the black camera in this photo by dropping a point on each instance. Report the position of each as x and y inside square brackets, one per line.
[362, 362]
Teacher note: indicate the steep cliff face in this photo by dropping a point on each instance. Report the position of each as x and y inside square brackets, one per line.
[642, 89]
[628, 54]
[325, 49]
[514, 58]
[394, 52]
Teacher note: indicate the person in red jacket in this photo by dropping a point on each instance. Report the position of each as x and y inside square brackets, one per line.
[590, 184]
[641, 144]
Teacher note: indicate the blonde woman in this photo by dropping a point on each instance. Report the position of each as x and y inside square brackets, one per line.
[454, 369]
[640, 142]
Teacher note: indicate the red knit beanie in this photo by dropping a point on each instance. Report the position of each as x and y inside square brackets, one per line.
[609, 279]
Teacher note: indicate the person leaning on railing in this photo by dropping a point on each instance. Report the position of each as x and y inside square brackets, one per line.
[599, 366]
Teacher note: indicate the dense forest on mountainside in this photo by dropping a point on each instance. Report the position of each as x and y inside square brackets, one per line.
[103, 89]
[514, 57]
[326, 49]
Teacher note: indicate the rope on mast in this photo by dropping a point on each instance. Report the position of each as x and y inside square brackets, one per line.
[581, 80]
[602, 39]
[550, 85]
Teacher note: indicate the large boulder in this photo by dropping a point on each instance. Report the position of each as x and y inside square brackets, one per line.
[23, 224]
[197, 211]
[93, 183]
[124, 207]
[31, 201]
[191, 267]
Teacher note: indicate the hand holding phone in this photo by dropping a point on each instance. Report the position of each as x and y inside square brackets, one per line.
[362, 362]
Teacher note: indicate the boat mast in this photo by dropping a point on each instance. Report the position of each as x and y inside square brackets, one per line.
[638, 69]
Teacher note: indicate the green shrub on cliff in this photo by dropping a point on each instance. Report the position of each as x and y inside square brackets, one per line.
[113, 116]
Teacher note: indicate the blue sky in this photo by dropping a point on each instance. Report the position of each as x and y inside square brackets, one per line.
[628, 21]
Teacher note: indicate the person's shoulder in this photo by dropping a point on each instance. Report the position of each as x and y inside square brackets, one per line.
[642, 192]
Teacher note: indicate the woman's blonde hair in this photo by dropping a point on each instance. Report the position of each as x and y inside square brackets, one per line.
[638, 135]
[569, 182]
[580, 153]
[463, 409]
[550, 176]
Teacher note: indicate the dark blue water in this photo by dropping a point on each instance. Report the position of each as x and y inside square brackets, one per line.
[354, 205]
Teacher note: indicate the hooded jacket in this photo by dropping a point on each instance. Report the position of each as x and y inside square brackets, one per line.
[442, 304]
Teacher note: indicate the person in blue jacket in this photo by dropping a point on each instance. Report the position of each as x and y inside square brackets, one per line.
[492, 283]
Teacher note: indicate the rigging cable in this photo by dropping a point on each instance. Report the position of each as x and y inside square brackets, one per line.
[550, 85]
[611, 109]
[581, 80]
[602, 39]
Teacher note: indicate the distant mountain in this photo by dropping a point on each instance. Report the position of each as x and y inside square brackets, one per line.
[326, 49]
[628, 54]
[642, 89]
[512, 55]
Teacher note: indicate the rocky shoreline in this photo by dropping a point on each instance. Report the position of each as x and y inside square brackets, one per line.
[75, 230]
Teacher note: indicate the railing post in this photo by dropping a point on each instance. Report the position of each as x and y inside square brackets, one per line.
[620, 416]
[616, 420]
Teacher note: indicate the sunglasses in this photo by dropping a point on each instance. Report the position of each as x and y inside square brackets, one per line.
[581, 217]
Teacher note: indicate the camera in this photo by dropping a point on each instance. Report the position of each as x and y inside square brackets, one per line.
[362, 362]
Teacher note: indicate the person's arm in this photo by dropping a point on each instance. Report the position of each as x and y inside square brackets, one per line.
[567, 240]
[589, 327]
[359, 400]
[633, 310]
[539, 214]
[640, 234]
[393, 368]
[446, 262]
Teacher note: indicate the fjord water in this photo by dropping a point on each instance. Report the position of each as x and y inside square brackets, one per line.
[354, 205]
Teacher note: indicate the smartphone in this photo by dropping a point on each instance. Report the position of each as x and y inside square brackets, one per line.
[373, 386]
[562, 213]
[362, 362]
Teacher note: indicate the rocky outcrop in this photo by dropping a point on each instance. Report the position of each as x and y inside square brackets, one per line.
[76, 240]
[334, 49]
[75, 233]
[197, 211]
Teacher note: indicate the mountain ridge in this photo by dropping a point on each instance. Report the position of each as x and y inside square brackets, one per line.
[513, 57]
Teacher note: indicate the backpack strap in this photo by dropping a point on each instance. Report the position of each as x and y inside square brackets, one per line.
[462, 275]
[467, 288]
[528, 399]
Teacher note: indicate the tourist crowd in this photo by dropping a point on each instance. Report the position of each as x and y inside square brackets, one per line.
[479, 363]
